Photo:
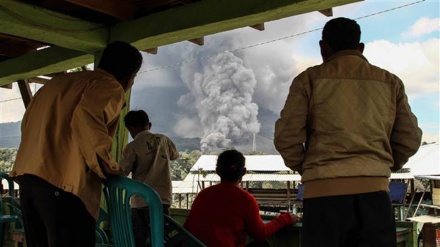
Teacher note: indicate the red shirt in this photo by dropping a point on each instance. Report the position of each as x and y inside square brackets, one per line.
[224, 214]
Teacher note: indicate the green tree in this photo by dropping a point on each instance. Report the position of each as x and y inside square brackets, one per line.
[7, 158]
[181, 167]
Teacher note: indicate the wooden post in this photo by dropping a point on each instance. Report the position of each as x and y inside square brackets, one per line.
[25, 91]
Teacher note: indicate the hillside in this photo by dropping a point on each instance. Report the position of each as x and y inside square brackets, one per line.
[10, 134]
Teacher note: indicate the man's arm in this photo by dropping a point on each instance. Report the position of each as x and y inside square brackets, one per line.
[127, 160]
[290, 128]
[172, 150]
[406, 136]
[99, 107]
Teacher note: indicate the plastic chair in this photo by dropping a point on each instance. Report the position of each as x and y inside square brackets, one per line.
[300, 195]
[117, 192]
[397, 191]
[101, 235]
[11, 213]
[177, 235]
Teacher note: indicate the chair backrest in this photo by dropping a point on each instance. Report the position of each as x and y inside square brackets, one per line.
[300, 195]
[397, 191]
[117, 192]
[177, 235]
[11, 189]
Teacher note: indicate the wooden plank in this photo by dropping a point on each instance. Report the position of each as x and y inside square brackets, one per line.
[327, 12]
[259, 27]
[123, 10]
[26, 93]
[198, 41]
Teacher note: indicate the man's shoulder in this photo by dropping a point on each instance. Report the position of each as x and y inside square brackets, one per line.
[162, 136]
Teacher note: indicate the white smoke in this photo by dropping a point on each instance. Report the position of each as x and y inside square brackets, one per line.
[222, 95]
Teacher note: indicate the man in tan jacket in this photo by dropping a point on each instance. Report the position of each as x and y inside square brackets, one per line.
[345, 126]
[64, 154]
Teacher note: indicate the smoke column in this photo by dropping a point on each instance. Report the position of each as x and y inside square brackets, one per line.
[222, 95]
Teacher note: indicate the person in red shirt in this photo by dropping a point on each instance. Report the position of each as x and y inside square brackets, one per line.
[224, 214]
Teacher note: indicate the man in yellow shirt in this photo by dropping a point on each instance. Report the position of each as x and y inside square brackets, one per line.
[64, 153]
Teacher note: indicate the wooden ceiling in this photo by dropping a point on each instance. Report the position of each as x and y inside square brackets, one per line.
[41, 37]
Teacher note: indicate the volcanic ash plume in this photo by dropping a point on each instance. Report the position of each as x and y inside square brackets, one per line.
[222, 94]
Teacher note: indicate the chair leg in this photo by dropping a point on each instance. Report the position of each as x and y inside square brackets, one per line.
[2, 233]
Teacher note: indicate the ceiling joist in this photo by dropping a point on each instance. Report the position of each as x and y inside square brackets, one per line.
[327, 12]
[74, 41]
[151, 50]
[123, 10]
[259, 27]
[198, 41]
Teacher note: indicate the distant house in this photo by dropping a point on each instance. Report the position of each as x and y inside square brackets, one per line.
[272, 168]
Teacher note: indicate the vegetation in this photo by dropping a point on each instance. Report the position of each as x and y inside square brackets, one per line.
[180, 167]
[7, 158]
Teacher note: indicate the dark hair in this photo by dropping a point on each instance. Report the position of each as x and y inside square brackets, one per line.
[342, 34]
[137, 118]
[230, 165]
[120, 59]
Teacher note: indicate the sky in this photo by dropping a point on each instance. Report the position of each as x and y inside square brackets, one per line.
[218, 89]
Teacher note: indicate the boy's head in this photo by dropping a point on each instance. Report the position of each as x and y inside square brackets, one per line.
[231, 166]
[137, 121]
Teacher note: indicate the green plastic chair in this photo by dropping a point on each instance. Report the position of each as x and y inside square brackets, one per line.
[117, 192]
[177, 235]
[13, 214]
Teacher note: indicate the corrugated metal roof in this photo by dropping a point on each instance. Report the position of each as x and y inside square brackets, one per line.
[185, 187]
[272, 177]
[253, 163]
[211, 177]
[426, 161]
[405, 175]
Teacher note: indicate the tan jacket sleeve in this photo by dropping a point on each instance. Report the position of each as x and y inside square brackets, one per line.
[99, 108]
[290, 128]
[127, 160]
[406, 136]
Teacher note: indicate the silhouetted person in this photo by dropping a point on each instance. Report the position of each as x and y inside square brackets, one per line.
[345, 126]
[224, 214]
[65, 149]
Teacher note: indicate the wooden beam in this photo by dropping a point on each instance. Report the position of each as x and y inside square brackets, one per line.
[259, 27]
[123, 10]
[210, 17]
[26, 93]
[42, 25]
[151, 50]
[84, 39]
[198, 41]
[327, 12]
[7, 86]
[42, 62]
[38, 80]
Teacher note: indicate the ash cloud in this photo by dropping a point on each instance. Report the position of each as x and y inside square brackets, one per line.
[222, 95]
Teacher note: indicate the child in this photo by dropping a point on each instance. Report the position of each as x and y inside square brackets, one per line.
[224, 214]
[147, 158]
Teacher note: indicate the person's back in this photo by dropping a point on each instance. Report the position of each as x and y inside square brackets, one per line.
[65, 150]
[225, 214]
[148, 158]
[59, 126]
[345, 126]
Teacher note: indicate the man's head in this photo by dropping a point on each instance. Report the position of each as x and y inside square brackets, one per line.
[340, 34]
[137, 121]
[231, 166]
[123, 61]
